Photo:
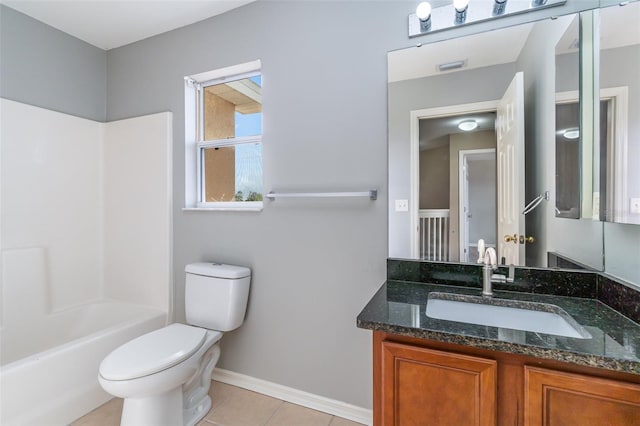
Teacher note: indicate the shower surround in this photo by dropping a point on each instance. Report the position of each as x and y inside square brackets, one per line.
[85, 252]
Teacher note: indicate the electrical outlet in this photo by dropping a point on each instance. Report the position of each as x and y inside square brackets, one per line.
[634, 206]
[402, 205]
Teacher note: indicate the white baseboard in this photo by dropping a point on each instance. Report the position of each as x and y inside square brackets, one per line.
[295, 396]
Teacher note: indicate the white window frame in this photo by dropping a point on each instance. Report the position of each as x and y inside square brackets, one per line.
[194, 146]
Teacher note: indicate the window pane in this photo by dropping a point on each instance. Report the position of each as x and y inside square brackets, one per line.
[233, 109]
[233, 173]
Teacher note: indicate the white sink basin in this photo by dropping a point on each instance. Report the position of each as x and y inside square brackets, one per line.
[503, 313]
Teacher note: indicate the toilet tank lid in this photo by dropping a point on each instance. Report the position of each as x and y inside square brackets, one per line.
[217, 270]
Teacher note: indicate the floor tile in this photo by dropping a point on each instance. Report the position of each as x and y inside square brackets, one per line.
[220, 392]
[243, 408]
[295, 415]
[232, 406]
[339, 421]
[105, 415]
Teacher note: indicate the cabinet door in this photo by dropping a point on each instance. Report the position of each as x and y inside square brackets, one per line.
[427, 387]
[556, 398]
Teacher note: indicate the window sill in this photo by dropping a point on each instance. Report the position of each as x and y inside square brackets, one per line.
[222, 209]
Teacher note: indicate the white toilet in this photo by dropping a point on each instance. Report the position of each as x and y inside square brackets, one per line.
[164, 376]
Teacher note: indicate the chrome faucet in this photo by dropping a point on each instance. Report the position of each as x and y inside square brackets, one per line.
[490, 260]
[490, 264]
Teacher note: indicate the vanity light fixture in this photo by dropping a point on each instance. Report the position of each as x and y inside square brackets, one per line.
[423, 12]
[499, 7]
[427, 20]
[571, 134]
[460, 6]
[468, 125]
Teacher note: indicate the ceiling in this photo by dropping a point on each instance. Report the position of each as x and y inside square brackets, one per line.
[423, 61]
[108, 24]
[434, 132]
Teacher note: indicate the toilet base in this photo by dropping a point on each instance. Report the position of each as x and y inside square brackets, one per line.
[196, 401]
[158, 410]
[193, 415]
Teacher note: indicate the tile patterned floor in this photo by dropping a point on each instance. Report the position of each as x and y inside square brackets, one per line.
[233, 406]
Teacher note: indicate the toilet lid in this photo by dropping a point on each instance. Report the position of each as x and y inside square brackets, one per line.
[152, 352]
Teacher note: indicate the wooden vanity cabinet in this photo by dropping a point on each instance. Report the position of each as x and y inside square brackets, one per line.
[423, 382]
[558, 398]
[424, 386]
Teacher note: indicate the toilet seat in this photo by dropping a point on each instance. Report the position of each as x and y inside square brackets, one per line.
[152, 352]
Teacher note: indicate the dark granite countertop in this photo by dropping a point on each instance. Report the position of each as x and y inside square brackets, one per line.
[399, 307]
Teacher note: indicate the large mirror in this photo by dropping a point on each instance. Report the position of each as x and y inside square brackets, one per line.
[568, 135]
[472, 129]
[619, 84]
[594, 179]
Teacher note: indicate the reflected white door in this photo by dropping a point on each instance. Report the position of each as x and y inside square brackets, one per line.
[510, 164]
[465, 214]
[477, 201]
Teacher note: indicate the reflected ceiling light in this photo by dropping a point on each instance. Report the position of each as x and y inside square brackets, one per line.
[571, 134]
[468, 125]
[461, 7]
[423, 12]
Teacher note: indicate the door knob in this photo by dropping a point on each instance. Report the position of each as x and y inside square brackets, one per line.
[524, 239]
[511, 238]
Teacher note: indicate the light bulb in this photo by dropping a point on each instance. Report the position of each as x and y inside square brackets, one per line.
[423, 11]
[460, 5]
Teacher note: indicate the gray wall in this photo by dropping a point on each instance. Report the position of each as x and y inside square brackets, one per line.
[619, 68]
[622, 251]
[434, 178]
[622, 242]
[315, 262]
[45, 67]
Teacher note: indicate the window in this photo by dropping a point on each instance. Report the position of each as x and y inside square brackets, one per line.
[224, 138]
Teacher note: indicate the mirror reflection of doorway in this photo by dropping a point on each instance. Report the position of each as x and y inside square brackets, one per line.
[457, 186]
[568, 160]
[568, 156]
[477, 201]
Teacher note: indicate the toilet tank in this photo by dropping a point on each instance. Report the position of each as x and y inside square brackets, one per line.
[216, 295]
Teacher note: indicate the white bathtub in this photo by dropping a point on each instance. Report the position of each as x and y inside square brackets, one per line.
[49, 373]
